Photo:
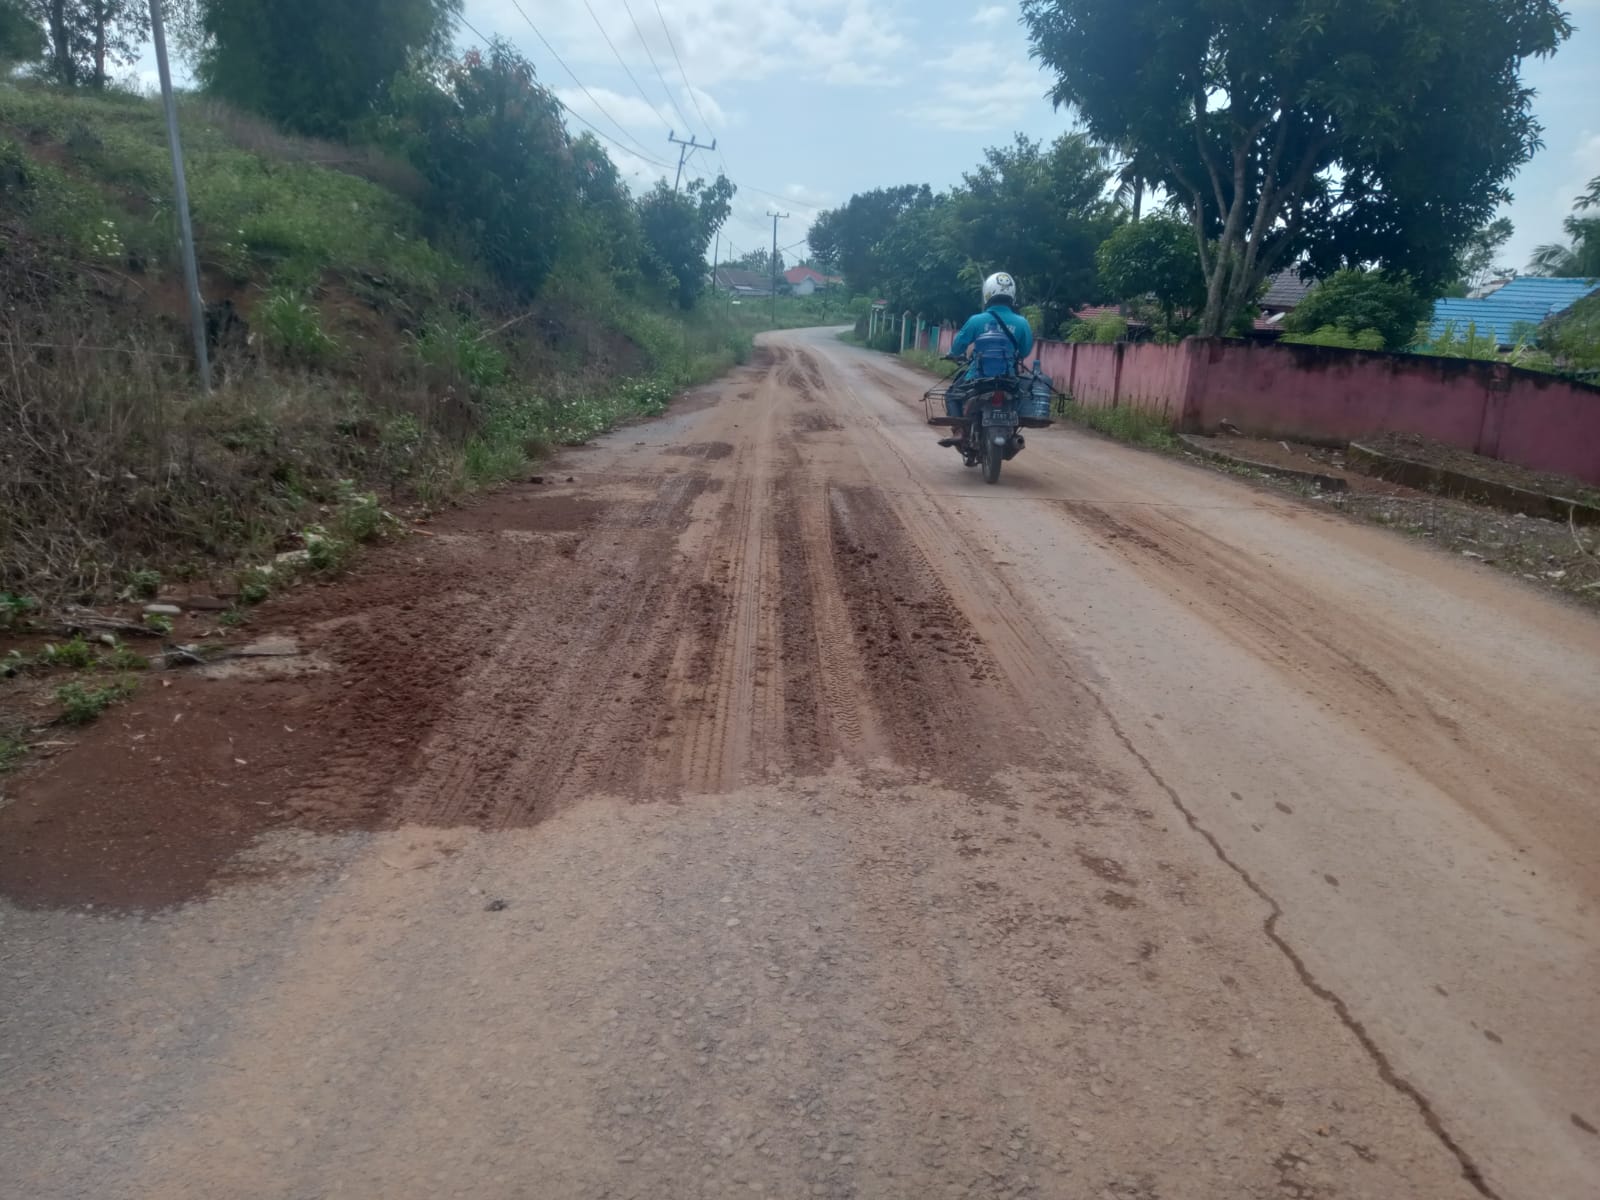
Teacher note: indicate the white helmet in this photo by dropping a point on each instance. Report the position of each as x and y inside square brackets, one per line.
[999, 288]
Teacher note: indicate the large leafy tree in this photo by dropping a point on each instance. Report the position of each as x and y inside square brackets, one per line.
[87, 38]
[1341, 131]
[491, 143]
[316, 66]
[924, 271]
[677, 227]
[847, 238]
[1039, 214]
[1154, 257]
[1579, 258]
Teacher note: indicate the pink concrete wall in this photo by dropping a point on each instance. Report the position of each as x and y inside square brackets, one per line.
[1317, 394]
[1154, 379]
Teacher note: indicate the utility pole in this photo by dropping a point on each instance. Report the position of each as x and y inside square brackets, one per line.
[191, 272]
[776, 217]
[714, 254]
[688, 148]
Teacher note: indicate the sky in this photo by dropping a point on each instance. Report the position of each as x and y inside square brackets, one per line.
[812, 100]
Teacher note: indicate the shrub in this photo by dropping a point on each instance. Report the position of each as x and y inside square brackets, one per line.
[293, 328]
[1338, 338]
[1356, 301]
[82, 703]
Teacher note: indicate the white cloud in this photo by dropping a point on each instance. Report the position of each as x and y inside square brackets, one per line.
[993, 14]
[979, 88]
[829, 41]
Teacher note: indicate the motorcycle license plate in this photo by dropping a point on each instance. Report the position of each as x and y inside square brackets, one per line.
[999, 416]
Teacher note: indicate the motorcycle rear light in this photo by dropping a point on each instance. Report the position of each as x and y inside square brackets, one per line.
[999, 399]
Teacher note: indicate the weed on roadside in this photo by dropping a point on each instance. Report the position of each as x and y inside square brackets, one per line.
[1124, 423]
[16, 611]
[82, 703]
[124, 658]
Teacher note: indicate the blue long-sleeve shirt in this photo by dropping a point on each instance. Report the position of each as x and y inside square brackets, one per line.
[979, 323]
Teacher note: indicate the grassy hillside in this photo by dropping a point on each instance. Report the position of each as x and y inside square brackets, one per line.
[356, 350]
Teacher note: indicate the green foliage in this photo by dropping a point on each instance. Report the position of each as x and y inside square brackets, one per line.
[358, 517]
[1580, 257]
[82, 703]
[1038, 213]
[74, 655]
[125, 659]
[1574, 337]
[1125, 423]
[846, 239]
[85, 39]
[1358, 301]
[1475, 263]
[1338, 338]
[255, 585]
[16, 611]
[677, 229]
[21, 34]
[291, 326]
[1104, 329]
[489, 139]
[158, 623]
[1372, 132]
[316, 67]
[1155, 257]
[142, 584]
[461, 350]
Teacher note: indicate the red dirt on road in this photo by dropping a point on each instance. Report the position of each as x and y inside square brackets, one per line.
[771, 808]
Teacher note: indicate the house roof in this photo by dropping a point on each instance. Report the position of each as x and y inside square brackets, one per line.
[1286, 290]
[801, 274]
[1526, 300]
[734, 277]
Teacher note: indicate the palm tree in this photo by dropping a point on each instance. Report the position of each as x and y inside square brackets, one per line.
[1580, 258]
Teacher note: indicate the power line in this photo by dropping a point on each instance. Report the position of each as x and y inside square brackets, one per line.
[516, 4]
[575, 114]
[660, 16]
[617, 54]
[665, 90]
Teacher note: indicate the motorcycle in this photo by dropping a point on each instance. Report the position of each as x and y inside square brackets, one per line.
[990, 413]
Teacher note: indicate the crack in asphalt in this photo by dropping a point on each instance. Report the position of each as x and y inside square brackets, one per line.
[1386, 1069]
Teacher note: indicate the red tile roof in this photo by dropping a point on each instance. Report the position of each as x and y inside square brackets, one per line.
[801, 274]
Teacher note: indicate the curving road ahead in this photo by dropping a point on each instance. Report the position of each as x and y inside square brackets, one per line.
[773, 809]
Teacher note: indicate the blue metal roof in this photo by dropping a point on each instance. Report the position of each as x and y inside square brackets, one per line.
[1526, 300]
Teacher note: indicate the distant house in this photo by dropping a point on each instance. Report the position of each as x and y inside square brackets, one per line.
[740, 283]
[1286, 291]
[803, 281]
[806, 281]
[1524, 303]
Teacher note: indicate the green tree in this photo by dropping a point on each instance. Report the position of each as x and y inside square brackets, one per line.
[847, 238]
[21, 35]
[490, 141]
[87, 38]
[1580, 257]
[923, 270]
[317, 66]
[1358, 301]
[758, 260]
[1155, 257]
[1040, 215]
[1475, 265]
[603, 231]
[677, 229]
[1341, 131]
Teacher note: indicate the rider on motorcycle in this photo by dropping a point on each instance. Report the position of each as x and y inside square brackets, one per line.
[999, 315]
